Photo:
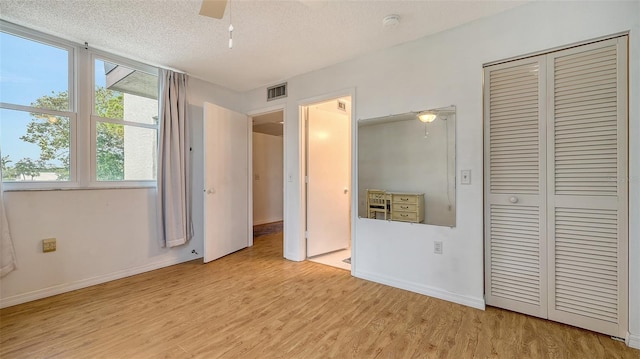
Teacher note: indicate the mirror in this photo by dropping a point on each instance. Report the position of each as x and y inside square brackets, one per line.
[406, 167]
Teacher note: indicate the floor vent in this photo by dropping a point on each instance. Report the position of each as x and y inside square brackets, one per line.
[277, 91]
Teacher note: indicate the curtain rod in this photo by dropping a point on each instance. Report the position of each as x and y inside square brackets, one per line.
[129, 57]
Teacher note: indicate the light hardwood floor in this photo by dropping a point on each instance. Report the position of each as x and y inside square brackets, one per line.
[254, 304]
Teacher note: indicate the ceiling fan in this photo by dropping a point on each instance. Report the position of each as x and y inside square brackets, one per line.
[213, 8]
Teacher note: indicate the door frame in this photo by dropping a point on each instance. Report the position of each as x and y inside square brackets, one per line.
[251, 115]
[302, 167]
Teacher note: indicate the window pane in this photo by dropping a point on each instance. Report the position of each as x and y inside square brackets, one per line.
[33, 74]
[35, 146]
[125, 94]
[125, 152]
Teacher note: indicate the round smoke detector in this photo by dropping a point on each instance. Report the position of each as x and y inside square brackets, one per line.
[391, 20]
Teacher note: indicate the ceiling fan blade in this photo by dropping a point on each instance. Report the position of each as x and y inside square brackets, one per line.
[213, 8]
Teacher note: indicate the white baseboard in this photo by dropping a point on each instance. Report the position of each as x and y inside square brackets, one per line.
[473, 302]
[84, 283]
[633, 341]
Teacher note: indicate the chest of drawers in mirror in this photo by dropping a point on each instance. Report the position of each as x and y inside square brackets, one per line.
[407, 207]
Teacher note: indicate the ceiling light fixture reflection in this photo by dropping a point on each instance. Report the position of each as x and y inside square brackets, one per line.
[427, 116]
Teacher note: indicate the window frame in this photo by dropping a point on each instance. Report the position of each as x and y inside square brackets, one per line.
[94, 55]
[82, 119]
[71, 113]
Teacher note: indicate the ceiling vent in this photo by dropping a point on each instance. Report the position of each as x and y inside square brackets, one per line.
[277, 91]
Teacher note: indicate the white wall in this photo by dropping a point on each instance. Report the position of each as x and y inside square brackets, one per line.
[445, 69]
[102, 234]
[267, 178]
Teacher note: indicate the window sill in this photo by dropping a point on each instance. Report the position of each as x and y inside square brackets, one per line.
[11, 187]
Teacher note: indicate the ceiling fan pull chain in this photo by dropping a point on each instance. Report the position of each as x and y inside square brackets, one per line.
[230, 28]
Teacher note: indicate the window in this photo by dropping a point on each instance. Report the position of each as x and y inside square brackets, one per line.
[53, 136]
[125, 122]
[36, 110]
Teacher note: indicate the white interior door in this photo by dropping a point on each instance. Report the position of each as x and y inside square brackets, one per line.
[328, 171]
[226, 182]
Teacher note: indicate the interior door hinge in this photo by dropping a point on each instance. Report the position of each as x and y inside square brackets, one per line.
[306, 234]
[306, 179]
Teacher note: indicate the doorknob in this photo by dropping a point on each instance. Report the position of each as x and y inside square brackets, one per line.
[346, 190]
[513, 199]
[210, 190]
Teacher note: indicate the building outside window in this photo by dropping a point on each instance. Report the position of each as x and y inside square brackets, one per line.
[125, 119]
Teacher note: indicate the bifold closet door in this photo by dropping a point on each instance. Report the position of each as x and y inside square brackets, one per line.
[556, 195]
[515, 195]
[587, 192]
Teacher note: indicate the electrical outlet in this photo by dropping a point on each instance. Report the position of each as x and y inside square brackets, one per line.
[437, 247]
[465, 177]
[49, 245]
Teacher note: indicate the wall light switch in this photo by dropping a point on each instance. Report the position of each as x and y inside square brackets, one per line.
[465, 177]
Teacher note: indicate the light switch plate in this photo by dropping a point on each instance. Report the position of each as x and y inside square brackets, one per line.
[437, 247]
[465, 176]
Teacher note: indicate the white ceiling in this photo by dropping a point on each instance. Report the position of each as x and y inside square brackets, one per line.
[273, 40]
[269, 123]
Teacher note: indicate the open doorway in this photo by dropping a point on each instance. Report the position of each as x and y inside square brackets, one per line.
[267, 173]
[327, 131]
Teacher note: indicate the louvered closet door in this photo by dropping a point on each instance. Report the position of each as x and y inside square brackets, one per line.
[515, 197]
[587, 194]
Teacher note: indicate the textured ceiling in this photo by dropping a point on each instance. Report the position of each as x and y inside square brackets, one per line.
[273, 40]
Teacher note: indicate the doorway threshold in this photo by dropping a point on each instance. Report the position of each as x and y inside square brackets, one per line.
[334, 259]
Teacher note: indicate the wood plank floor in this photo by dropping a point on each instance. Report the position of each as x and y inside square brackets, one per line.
[254, 304]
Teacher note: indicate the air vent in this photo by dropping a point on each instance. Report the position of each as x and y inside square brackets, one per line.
[277, 91]
[342, 106]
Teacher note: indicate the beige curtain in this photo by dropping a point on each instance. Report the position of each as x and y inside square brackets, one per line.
[174, 182]
[7, 252]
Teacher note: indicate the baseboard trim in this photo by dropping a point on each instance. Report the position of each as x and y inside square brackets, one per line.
[633, 341]
[473, 302]
[84, 283]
